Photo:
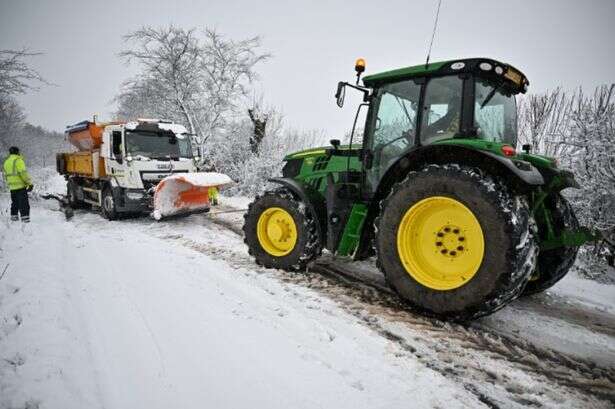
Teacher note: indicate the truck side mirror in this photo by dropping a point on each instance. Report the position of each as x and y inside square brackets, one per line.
[340, 94]
[335, 143]
[116, 145]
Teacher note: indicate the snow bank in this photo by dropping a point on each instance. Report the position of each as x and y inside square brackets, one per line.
[202, 178]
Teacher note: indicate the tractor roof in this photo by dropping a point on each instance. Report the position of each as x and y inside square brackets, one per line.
[449, 67]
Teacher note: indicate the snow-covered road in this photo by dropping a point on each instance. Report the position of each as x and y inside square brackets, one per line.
[99, 314]
[139, 314]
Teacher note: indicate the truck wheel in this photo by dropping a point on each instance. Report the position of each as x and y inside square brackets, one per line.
[71, 194]
[455, 243]
[108, 208]
[280, 232]
[554, 264]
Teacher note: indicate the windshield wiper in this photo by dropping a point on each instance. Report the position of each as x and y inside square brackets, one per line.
[403, 107]
[490, 95]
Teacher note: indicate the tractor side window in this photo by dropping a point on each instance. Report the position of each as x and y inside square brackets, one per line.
[495, 113]
[395, 123]
[442, 109]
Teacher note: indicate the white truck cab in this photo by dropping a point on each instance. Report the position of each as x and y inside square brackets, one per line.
[135, 156]
[140, 154]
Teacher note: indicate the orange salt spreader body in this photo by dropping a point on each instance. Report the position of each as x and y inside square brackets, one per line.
[87, 137]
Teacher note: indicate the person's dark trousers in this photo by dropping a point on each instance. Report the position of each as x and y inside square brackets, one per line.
[20, 205]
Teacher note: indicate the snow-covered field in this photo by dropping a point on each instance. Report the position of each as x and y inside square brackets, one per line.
[141, 314]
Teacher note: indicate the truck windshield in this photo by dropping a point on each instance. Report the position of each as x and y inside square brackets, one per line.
[157, 145]
[495, 113]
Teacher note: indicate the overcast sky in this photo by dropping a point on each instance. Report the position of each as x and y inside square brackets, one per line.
[314, 45]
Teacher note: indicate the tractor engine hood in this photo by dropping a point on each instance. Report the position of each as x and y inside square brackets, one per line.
[322, 150]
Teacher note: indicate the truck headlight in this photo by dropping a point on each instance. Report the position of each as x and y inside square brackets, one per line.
[134, 195]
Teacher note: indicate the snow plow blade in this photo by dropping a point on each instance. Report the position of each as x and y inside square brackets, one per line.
[185, 193]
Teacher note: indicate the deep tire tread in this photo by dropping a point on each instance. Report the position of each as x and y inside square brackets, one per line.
[520, 227]
[306, 251]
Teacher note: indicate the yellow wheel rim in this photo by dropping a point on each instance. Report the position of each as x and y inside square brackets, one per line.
[276, 231]
[440, 243]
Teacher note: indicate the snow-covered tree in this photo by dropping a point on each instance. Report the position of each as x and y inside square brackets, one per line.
[579, 130]
[16, 77]
[196, 78]
[11, 120]
[544, 121]
[591, 145]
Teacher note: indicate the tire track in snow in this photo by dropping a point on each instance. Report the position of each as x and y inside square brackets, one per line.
[585, 378]
[490, 365]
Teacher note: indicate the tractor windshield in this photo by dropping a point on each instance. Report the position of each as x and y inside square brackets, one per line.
[495, 113]
[157, 145]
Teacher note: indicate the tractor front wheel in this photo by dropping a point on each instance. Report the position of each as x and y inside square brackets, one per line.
[455, 243]
[280, 232]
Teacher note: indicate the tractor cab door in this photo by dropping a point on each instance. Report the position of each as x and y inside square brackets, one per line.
[391, 129]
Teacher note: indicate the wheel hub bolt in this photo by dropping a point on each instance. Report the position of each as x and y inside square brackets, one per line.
[448, 241]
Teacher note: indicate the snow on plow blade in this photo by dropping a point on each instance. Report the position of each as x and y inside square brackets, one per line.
[185, 193]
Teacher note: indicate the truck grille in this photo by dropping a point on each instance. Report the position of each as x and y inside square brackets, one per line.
[151, 178]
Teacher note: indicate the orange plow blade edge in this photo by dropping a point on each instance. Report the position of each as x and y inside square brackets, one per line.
[185, 193]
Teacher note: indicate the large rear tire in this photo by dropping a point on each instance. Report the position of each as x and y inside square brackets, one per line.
[455, 243]
[280, 232]
[553, 265]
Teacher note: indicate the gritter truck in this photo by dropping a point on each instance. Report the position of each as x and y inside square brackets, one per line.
[121, 168]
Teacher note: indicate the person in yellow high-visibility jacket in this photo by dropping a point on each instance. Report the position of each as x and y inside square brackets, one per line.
[19, 183]
[213, 196]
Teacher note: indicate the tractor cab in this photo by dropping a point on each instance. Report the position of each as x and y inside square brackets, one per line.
[452, 102]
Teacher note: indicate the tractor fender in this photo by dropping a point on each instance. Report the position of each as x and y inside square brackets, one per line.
[312, 200]
[525, 171]
[521, 175]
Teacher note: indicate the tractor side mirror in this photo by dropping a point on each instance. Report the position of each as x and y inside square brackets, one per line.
[340, 94]
[116, 143]
[335, 143]
[526, 148]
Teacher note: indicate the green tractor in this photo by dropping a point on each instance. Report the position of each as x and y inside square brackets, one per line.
[460, 222]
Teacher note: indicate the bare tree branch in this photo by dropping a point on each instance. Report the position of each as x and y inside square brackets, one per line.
[16, 76]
